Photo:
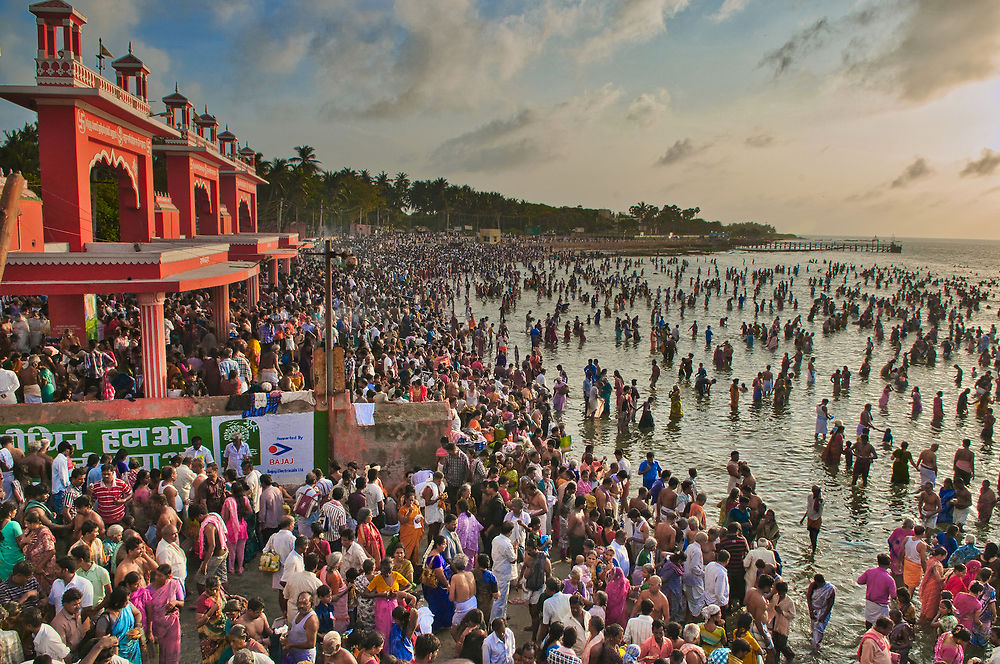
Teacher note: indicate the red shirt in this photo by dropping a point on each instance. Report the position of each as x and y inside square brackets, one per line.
[105, 497]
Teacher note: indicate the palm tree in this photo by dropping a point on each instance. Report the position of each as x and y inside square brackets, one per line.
[305, 160]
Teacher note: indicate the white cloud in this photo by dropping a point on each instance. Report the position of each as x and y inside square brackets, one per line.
[728, 9]
[648, 107]
[633, 21]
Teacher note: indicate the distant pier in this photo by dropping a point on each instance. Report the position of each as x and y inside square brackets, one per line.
[874, 246]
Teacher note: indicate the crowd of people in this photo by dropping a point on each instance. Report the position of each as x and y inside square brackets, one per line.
[617, 559]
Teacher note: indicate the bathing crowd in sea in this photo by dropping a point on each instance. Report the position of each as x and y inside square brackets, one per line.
[617, 560]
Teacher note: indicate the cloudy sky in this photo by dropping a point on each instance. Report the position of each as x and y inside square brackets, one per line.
[818, 116]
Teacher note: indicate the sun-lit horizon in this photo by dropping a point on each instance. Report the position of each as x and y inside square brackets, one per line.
[824, 118]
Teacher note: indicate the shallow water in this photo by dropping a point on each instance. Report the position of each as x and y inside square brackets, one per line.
[779, 445]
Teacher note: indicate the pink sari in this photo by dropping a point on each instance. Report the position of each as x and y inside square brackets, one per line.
[949, 654]
[617, 590]
[896, 541]
[967, 607]
[166, 627]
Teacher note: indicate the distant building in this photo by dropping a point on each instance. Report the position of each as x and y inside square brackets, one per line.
[489, 235]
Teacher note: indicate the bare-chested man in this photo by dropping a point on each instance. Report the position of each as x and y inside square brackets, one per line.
[964, 463]
[987, 502]
[537, 506]
[37, 464]
[733, 470]
[927, 465]
[254, 619]
[756, 605]
[929, 506]
[166, 516]
[137, 559]
[666, 501]
[666, 533]
[462, 591]
[661, 605]
[576, 528]
[84, 513]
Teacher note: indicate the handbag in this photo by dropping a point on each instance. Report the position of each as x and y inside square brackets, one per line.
[269, 562]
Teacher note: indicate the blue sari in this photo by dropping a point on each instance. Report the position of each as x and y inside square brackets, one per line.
[127, 648]
[946, 515]
[437, 597]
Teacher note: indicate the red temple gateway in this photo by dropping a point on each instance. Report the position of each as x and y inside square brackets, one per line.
[200, 234]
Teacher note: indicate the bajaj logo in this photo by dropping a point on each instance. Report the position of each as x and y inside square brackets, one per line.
[277, 449]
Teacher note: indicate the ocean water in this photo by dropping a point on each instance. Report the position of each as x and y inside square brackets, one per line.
[779, 445]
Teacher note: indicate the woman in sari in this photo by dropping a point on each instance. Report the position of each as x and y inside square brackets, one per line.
[931, 585]
[211, 621]
[340, 591]
[968, 608]
[165, 601]
[988, 598]
[947, 496]
[950, 647]
[411, 524]
[437, 595]
[469, 528]
[138, 596]
[369, 536]
[10, 537]
[234, 511]
[40, 550]
[123, 621]
[617, 590]
[896, 541]
[820, 596]
[387, 586]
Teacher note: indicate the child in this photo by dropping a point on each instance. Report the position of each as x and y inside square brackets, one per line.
[324, 609]
[946, 620]
[887, 437]
[600, 606]
[901, 637]
[905, 604]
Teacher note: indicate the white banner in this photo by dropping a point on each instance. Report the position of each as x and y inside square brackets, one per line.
[282, 444]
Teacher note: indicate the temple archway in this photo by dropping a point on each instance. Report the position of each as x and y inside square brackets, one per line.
[202, 210]
[113, 196]
[245, 221]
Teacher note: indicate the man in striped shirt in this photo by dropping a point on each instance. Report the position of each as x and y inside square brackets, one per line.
[110, 495]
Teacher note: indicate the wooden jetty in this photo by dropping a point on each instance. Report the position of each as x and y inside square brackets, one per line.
[875, 246]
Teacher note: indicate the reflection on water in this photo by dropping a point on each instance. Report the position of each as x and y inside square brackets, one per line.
[779, 443]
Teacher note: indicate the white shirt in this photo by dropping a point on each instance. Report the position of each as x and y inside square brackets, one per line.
[200, 453]
[60, 476]
[48, 642]
[750, 563]
[235, 455]
[183, 481]
[638, 629]
[8, 386]
[83, 585]
[520, 532]
[354, 557]
[170, 553]
[293, 563]
[716, 584]
[374, 496]
[253, 482]
[621, 557]
[496, 651]
[556, 608]
[7, 459]
[503, 557]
